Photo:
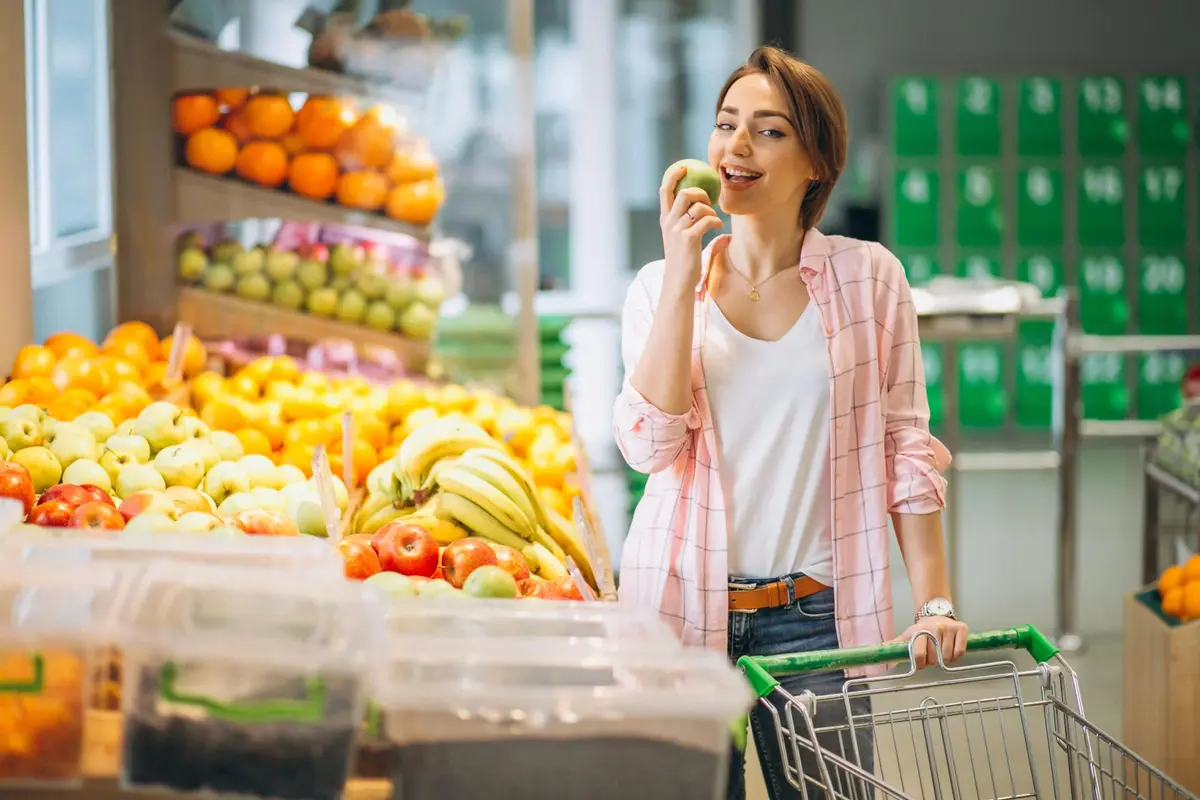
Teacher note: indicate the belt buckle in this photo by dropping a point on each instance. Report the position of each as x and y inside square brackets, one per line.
[743, 587]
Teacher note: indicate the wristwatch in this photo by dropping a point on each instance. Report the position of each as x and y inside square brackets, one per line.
[936, 607]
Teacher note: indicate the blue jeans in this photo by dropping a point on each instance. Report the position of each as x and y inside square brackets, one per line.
[805, 625]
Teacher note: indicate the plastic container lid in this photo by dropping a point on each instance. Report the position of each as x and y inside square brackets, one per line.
[63, 602]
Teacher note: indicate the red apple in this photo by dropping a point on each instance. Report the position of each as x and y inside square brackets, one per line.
[69, 493]
[407, 549]
[360, 537]
[512, 562]
[97, 515]
[267, 522]
[566, 589]
[52, 514]
[147, 500]
[15, 483]
[438, 574]
[359, 559]
[232, 522]
[533, 586]
[98, 494]
[462, 557]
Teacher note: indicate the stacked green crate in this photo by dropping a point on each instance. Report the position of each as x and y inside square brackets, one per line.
[554, 369]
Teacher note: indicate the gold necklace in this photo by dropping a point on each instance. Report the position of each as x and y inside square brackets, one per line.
[754, 295]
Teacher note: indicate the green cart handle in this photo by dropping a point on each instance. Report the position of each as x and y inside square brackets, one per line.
[32, 686]
[309, 710]
[762, 671]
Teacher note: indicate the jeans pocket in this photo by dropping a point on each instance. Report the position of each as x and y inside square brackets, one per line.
[817, 606]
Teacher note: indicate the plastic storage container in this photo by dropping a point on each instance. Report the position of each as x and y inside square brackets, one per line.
[52, 621]
[244, 681]
[543, 722]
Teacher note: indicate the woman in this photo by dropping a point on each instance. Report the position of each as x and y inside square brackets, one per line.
[775, 394]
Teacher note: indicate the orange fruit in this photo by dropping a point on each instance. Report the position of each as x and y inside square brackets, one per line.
[137, 397]
[205, 387]
[274, 428]
[42, 390]
[411, 165]
[15, 393]
[80, 396]
[232, 98]
[1191, 602]
[152, 379]
[1171, 578]
[367, 144]
[313, 175]
[371, 430]
[416, 203]
[129, 349]
[242, 385]
[116, 407]
[66, 343]
[33, 359]
[264, 163]
[193, 112]
[238, 126]
[253, 442]
[140, 332]
[270, 116]
[321, 121]
[299, 456]
[285, 368]
[293, 144]
[306, 431]
[195, 355]
[65, 410]
[364, 457]
[363, 190]
[121, 369]
[82, 372]
[211, 150]
[225, 414]
[258, 370]
[1191, 569]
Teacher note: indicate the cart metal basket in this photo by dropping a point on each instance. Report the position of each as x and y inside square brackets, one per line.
[986, 731]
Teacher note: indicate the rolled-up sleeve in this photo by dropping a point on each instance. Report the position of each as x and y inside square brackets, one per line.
[649, 438]
[915, 457]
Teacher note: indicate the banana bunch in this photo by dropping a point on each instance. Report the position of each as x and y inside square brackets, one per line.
[425, 447]
[487, 492]
[379, 509]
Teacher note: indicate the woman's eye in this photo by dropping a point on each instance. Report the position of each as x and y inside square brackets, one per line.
[725, 126]
[773, 134]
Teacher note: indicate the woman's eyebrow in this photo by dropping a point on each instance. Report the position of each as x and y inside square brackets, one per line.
[758, 114]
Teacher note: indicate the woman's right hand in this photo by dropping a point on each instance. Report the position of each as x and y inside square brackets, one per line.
[684, 218]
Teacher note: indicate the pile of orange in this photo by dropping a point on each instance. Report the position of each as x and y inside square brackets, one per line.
[326, 150]
[1179, 588]
[68, 374]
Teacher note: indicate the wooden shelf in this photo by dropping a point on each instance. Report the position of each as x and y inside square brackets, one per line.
[202, 199]
[214, 315]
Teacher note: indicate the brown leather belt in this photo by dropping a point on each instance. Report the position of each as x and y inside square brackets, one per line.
[747, 598]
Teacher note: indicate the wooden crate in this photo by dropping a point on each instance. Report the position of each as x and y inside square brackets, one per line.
[1161, 692]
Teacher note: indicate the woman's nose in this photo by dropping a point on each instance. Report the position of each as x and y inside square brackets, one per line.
[740, 143]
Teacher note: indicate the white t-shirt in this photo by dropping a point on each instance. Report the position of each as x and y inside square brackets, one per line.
[770, 407]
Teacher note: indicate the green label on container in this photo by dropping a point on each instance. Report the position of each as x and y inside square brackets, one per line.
[982, 399]
[919, 266]
[1162, 207]
[979, 265]
[915, 117]
[1040, 207]
[916, 208]
[1043, 270]
[1159, 384]
[1034, 396]
[1163, 128]
[1105, 395]
[1101, 206]
[1103, 129]
[931, 357]
[979, 222]
[978, 113]
[1162, 294]
[1039, 117]
[1103, 309]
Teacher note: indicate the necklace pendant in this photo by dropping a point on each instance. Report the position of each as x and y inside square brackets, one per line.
[754, 295]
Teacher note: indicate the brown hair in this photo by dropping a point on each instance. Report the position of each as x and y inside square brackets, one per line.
[815, 111]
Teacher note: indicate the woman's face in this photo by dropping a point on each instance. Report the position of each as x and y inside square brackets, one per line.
[755, 150]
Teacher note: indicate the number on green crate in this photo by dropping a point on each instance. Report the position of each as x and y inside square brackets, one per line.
[1034, 394]
[1105, 396]
[1101, 206]
[978, 116]
[916, 208]
[1162, 212]
[1039, 117]
[1162, 294]
[1040, 207]
[982, 399]
[978, 265]
[979, 220]
[1103, 129]
[1160, 383]
[1163, 128]
[931, 358]
[920, 267]
[1102, 306]
[915, 109]
[1043, 270]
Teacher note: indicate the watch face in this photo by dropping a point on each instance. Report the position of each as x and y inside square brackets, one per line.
[939, 607]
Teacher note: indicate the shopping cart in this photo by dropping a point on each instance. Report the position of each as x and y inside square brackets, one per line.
[977, 731]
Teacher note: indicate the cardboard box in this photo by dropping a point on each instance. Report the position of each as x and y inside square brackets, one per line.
[1161, 691]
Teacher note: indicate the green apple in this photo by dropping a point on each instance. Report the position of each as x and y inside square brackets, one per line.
[132, 444]
[285, 475]
[490, 581]
[401, 291]
[254, 286]
[259, 469]
[345, 258]
[126, 427]
[295, 492]
[372, 284]
[699, 176]
[341, 284]
[288, 294]
[228, 445]
[114, 461]
[417, 321]
[380, 315]
[180, 465]
[226, 250]
[43, 467]
[352, 306]
[235, 504]
[138, 478]
[219, 278]
[32, 413]
[151, 522]
[266, 497]
[323, 301]
[85, 470]
[225, 479]
[208, 452]
[393, 584]
[429, 290]
[162, 425]
[196, 428]
[281, 265]
[192, 263]
[340, 495]
[437, 588]
[198, 522]
[70, 442]
[20, 433]
[312, 274]
[249, 261]
[306, 513]
[5, 452]
[99, 423]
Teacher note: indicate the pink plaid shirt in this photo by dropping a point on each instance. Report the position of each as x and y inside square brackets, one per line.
[883, 457]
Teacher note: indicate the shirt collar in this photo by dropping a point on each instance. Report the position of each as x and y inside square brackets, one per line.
[814, 254]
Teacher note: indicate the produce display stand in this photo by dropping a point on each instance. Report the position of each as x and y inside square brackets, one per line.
[1161, 529]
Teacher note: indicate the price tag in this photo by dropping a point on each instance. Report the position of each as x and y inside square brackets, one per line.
[1162, 294]
[1162, 206]
[978, 117]
[1034, 394]
[587, 538]
[1163, 128]
[915, 218]
[1101, 206]
[1102, 306]
[173, 375]
[979, 222]
[1103, 129]
[1043, 270]
[915, 117]
[323, 478]
[348, 476]
[978, 266]
[1105, 396]
[585, 589]
[1040, 207]
[1039, 117]
[983, 401]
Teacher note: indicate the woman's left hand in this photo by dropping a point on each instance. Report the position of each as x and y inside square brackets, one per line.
[951, 637]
